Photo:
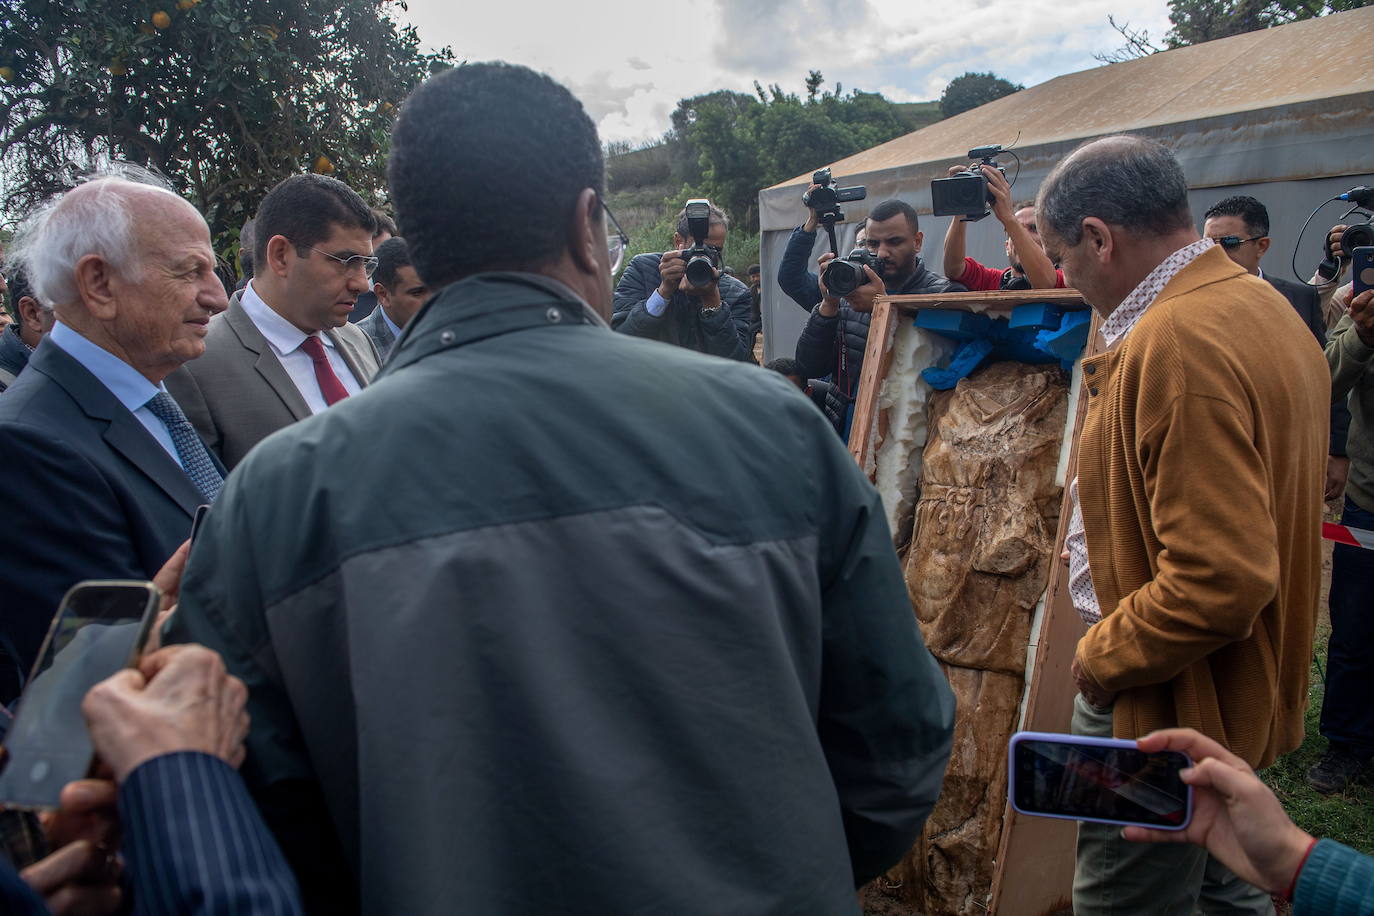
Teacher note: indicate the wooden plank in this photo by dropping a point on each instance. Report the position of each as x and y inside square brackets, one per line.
[995, 300]
[877, 360]
[1035, 859]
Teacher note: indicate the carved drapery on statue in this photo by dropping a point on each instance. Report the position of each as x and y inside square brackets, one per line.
[977, 566]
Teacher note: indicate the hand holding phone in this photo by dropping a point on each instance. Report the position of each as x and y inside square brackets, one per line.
[1236, 817]
[99, 629]
[179, 698]
[1107, 780]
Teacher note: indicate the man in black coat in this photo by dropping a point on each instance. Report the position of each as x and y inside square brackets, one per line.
[653, 299]
[1240, 224]
[113, 471]
[834, 339]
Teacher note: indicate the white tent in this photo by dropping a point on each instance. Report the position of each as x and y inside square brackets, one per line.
[1284, 114]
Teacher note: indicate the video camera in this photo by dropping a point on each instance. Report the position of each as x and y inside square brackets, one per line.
[702, 260]
[1355, 235]
[966, 194]
[826, 199]
[844, 275]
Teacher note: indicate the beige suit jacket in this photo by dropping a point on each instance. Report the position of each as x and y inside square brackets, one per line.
[238, 393]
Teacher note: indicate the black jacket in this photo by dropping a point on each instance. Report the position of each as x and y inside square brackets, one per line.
[835, 346]
[724, 333]
[14, 356]
[101, 498]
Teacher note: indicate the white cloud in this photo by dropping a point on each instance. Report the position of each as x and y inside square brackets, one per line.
[630, 63]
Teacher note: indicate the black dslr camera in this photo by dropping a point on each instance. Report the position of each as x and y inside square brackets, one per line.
[826, 199]
[967, 194]
[844, 275]
[702, 260]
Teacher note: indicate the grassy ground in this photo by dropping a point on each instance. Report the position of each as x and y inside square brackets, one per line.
[1347, 818]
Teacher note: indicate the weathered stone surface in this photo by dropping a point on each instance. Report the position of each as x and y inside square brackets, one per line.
[987, 515]
[949, 871]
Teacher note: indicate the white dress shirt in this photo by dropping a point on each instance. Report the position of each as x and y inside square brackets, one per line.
[286, 339]
[129, 386]
[1114, 330]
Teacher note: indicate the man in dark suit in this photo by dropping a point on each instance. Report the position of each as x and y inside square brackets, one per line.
[284, 350]
[400, 293]
[113, 472]
[1240, 225]
[171, 733]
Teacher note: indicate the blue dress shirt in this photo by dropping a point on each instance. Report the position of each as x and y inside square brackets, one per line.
[129, 386]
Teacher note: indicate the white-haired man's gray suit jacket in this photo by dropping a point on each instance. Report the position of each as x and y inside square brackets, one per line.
[238, 393]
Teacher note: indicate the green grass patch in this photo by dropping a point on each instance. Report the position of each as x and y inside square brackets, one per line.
[1347, 818]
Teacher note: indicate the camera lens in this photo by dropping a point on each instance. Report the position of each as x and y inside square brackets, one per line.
[842, 278]
[1360, 235]
[700, 273]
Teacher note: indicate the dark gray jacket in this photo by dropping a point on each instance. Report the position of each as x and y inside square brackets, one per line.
[723, 333]
[835, 346]
[14, 356]
[606, 647]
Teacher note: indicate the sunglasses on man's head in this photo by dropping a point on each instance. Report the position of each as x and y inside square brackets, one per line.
[1234, 241]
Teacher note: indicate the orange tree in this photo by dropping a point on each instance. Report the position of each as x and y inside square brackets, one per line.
[222, 97]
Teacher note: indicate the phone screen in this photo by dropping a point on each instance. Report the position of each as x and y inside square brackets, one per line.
[1085, 781]
[1362, 267]
[99, 628]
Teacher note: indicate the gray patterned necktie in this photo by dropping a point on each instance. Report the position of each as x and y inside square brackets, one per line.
[194, 457]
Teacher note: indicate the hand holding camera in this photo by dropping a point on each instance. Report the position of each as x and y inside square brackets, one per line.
[851, 278]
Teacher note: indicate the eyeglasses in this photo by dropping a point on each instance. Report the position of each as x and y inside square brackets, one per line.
[616, 241]
[1234, 241]
[366, 262]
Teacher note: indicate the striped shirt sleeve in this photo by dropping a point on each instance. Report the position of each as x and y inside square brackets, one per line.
[195, 844]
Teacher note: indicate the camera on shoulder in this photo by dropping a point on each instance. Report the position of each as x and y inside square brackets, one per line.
[966, 194]
[703, 261]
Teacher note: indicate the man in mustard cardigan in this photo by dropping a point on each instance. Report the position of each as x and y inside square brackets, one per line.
[1193, 545]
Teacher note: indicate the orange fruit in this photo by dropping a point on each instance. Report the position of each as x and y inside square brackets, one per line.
[323, 165]
[161, 20]
[117, 67]
[7, 74]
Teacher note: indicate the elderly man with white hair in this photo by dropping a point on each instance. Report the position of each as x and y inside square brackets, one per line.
[114, 472]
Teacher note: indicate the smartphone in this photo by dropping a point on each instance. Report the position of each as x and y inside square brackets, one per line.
[1107, 780]
[100, 627]
[1362, 269]
[196, 520]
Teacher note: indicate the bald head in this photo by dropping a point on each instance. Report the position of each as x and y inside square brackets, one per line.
[1128, 182]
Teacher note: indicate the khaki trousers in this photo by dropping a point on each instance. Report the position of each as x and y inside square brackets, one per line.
[1114, 877]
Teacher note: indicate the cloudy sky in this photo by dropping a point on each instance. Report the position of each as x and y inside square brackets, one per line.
[630, 62]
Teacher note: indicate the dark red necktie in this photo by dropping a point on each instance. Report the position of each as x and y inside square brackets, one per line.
[330, 386]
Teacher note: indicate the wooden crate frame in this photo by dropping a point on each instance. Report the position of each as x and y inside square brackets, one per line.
[1033, 872]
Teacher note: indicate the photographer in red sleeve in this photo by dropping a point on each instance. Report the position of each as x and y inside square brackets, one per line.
[1030, 267]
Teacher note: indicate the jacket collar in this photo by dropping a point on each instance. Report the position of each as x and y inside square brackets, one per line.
[267, 364]
[487, 305]
[123, 432]
[1212, 266]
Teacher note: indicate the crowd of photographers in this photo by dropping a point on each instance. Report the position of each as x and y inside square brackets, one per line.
[343, 722]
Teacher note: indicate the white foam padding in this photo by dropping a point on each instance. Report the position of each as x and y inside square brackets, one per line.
[904, 398]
